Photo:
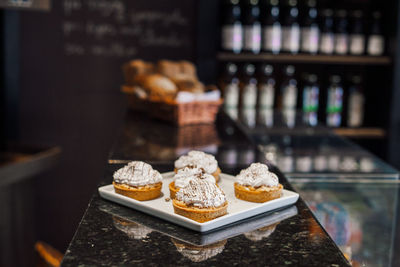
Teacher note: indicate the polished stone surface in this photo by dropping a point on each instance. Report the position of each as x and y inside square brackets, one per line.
[110, 234]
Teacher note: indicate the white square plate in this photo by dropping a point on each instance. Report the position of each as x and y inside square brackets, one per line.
[237, 209]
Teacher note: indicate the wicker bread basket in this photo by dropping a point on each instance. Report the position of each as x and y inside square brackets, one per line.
[196, 112]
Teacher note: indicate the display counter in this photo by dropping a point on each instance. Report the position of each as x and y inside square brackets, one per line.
[110, 234]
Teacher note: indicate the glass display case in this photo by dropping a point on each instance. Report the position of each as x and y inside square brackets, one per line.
[310, 154]
[359, 217]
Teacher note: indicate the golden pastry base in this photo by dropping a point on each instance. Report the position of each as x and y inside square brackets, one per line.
[139, 193]
[199, 214]
[172, 190]
[249, 193]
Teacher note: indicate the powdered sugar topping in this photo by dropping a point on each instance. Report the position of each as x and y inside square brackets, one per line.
[257, 175]
[186, 174]
[198, 159]
[137, 173]
[201, 193]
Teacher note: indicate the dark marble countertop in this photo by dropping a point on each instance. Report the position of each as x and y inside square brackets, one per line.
[113, 235]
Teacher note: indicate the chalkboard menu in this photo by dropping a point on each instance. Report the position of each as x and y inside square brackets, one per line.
[116, 28]
[90, 39]
[43, 5]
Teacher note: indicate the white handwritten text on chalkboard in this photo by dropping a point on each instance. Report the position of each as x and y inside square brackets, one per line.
[113, 28]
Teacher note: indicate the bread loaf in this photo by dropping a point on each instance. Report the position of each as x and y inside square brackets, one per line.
[168, 68]
[158, 86]
[134, 68]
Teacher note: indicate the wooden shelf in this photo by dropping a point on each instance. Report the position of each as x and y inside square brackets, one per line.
[304, 58]
[356, 133]
[361, 132]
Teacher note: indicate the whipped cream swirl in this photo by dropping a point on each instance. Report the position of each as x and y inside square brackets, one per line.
[137, 173]
[201, 193]
[198, 159]
[257, 175]
[186, 174]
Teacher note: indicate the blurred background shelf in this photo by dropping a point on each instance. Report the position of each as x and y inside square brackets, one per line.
[305, 58]
[354, 133]
[18, 162]
[361, 132]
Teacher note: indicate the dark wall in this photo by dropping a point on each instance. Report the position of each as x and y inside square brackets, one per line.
[2, 89]
[70, 76]
[10, 72]
[207, 43]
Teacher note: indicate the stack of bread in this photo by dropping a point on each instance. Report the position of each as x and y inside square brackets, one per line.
[163, 81]
[169, 85]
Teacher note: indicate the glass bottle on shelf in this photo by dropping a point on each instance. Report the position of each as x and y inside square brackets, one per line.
[357, 35]
[310, 101]
[327, 42]
[266, 117]
[248, 98]
[291, 29]
[288, 97]
[271, 31]
[310, 29]
[304, 163]
[288, 94]
[248, 117]
[334, 104]
[230, 86]
[376, 41]
[248, 87]
[266, 96]
[285, 159]
[341, 34]
[252, 27]
[232, 30]
[266, 88]
[356, 99]
[321, 158]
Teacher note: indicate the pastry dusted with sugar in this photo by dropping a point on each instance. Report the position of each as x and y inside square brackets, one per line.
[257, 184]
[183, 176]
[138, 180]
[134, 68]
[201, 160]
[200, 200]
